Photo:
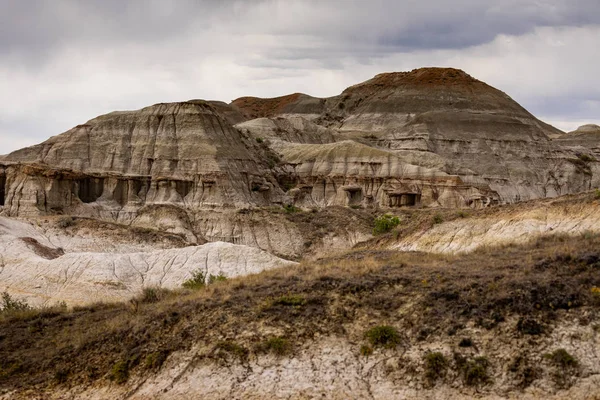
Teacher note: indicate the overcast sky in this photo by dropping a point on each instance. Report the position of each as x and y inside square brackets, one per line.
[64, 62]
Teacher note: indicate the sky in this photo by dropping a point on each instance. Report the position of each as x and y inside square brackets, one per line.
[65, 62]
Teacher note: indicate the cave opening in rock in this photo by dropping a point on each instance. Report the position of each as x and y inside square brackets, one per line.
[404, 199]
[183, 187]
[121, 192]
[90, 189]
[354, 196]
[2, 189]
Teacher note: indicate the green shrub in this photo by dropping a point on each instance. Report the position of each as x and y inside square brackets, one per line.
[586, 157]
[216, 278]
[259, 140]
[435, 367]
[475, 372]
[152, 294]
[366, 350]
[155, 360]
[294, 300]
[561, 358]
[597, 193]
[465, 342]
[438, 219]
[565, 367]
[233, 348]
[383, 336]
[276, 345]
[291, 209]
[10, 304]
[385, 223]
[462, 214]
[120, 372]
[197, 281]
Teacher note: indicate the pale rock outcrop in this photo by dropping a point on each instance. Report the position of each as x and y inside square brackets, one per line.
[333, 368]
[506, 226]
[34, 269]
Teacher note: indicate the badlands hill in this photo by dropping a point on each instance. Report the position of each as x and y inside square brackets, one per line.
[481, 281]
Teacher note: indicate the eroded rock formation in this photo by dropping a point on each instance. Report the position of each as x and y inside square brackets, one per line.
[433, 137]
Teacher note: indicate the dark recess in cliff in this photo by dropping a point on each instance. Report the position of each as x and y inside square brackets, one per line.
[2, 189]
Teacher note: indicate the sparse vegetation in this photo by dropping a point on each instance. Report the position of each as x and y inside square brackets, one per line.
[366, 350]
[216, 278]
[438, 219]
[259, 140]
[529, 326]
[565, 367]
[65, 222]
[12, 305]
[475, 372]
[465, 342]
[383, 336]
[586, 158]
[155, 360]
[435, 366]
[153, 294]
[197, 281]
[385, 223]
[292, 300]
[291, 209]
[119, 372]
[276, 345]
[597, 194]
[233, 349]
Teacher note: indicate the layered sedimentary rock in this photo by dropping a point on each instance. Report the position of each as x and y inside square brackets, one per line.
[442, 118]
[431, 137]
[185, 154]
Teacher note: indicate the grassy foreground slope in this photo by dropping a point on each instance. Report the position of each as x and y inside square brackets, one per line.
[380, 302]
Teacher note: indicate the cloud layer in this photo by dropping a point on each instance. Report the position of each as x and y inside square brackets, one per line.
[64, 62]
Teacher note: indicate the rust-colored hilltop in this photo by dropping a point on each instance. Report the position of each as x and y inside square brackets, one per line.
[429, 77]
[256, 107]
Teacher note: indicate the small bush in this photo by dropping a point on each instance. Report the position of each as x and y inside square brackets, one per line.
[120, 372]
[276, 345]
[155, 360]
[293, 300]
[462, 214]
[216, 278]
[586, 157]
[438, 219]
[529, 326]
[65, 222]
[561, 358]
[566, 366]
[197, 281]
[9, 304]
[291, 209]
[383, 336]
[233, 348]
[435, 367]
[153, 294]
[465, 342]
[259, 140]
[366, 350]
[475, 372]
[385, 223]
[597, 193]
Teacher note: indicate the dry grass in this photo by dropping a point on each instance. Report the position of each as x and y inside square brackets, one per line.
[410, 292]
